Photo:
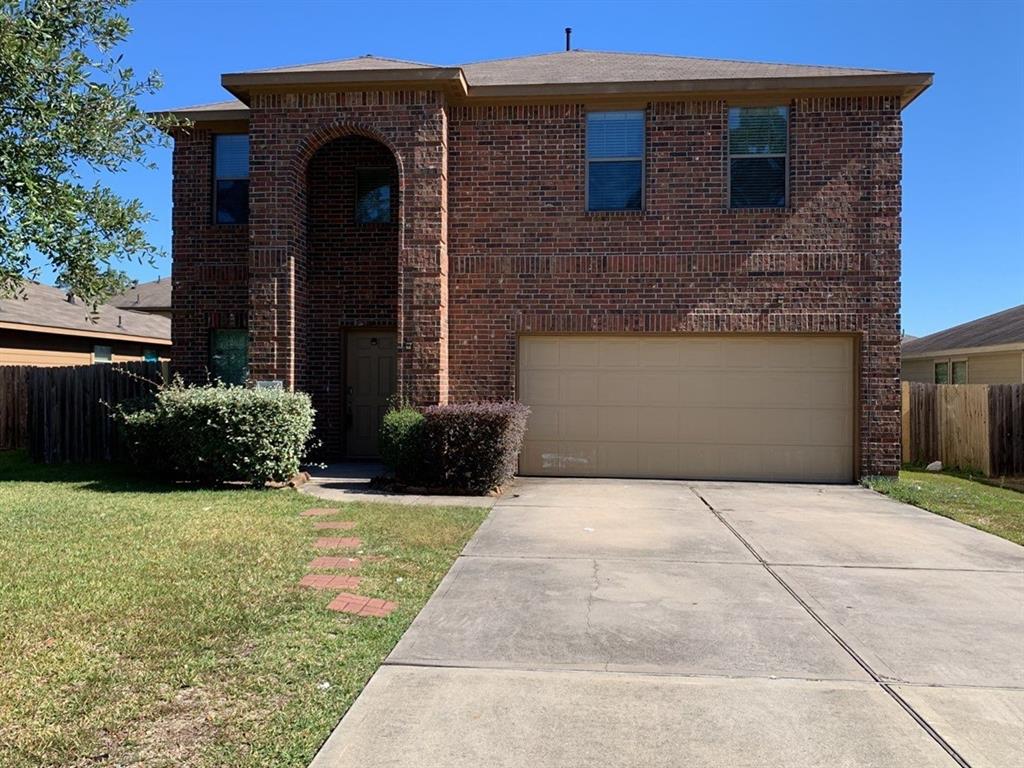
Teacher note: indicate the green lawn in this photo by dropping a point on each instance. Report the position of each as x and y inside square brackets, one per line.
[145, 624]
[996, 510]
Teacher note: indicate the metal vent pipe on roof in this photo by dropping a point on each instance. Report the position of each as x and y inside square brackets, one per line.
[568, 35]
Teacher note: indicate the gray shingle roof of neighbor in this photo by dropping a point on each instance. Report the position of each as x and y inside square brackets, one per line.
[48, 307]
[1006, 327]
[566, 69]
[156, 294]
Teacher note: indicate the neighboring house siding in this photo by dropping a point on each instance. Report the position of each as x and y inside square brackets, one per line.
[918, 370]
[525, 256]
[989, 368]
[45, 349]
[996, 368]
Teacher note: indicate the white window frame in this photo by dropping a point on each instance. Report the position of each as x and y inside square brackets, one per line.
[729, 156]
[109, 357]
[949, 362]
[630, 159]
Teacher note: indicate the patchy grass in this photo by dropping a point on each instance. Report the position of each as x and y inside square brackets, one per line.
[154, 625]
[996, 510]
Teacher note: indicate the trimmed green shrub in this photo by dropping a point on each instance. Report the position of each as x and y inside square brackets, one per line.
[473, 446]
[218, 433]
[401, 443]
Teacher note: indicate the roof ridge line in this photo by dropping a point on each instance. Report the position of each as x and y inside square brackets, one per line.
[681, 56]
[347, 58]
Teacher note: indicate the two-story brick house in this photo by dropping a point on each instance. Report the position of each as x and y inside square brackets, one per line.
[686, 267]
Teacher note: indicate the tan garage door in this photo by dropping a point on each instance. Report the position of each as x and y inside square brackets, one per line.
[715, 407]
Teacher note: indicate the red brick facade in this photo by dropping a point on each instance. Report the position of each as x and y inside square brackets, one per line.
[519, 252]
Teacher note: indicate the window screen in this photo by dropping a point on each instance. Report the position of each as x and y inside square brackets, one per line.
[758, 142]
[231, 178]
[102, 353]
[959, 369]
[373, 196]
[229, 355]
[942, 373]
[615, 161]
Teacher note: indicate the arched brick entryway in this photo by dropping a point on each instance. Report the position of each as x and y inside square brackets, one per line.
[284, 138]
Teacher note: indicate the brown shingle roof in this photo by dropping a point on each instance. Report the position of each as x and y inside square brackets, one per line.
[1006, 327]
[155, 294]
[613, 67]
[47, 307]
[567, 73]
[355, 64]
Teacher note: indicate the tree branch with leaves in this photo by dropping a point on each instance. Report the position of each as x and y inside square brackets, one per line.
[69, 115]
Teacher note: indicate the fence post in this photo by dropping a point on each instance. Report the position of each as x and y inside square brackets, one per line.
[905, 436]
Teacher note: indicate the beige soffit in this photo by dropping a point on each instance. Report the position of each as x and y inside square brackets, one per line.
[964, 351]
[576, 73]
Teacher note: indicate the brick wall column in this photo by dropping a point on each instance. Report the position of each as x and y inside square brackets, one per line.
[423, 265]
[276, 253]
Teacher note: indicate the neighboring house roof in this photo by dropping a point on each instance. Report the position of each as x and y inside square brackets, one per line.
[45, 309]
[1003, 330]
[565, 73]
[155, 294]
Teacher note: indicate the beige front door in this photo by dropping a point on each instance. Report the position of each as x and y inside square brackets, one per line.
[774, 408]
[370, 384]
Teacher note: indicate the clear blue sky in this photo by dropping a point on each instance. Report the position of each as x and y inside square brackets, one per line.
[963, 213]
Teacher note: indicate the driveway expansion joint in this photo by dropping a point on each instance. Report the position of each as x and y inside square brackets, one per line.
[883, 684]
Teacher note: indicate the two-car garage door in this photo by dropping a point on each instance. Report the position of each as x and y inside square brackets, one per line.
[714, 407]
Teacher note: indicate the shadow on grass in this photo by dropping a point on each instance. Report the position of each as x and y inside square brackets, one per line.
[113, 477]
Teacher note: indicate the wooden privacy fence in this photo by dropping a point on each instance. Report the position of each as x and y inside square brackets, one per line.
[970, 426]
[67, 409]
[13, 406]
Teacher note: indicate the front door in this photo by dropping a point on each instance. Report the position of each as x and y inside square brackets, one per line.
[369, 386]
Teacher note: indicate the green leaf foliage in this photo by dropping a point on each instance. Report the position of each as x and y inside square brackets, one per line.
[69, 113]
[401, 443]
[218, 433]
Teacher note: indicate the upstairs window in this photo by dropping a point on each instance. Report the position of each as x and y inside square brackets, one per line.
[615, 161]
[231, 179]
[373, 196]
[758, 143]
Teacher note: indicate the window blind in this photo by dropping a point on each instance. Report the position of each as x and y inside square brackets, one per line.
[231, 178]
[615, 160]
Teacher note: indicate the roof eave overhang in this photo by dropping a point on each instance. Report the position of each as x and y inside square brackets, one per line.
[450, 79]
[1013, 346]
[908, 86]
[61, 331]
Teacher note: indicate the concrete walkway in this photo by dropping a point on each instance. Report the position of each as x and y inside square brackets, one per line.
[351, 481]
[647, 623]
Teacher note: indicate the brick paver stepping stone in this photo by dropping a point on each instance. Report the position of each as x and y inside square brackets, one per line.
[325, 561]
[337, 542]
[340, 525]
[319, 512]
[360, 605]
[330, 581]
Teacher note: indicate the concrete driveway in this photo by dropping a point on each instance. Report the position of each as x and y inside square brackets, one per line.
[650, 623]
